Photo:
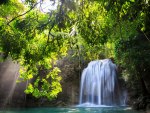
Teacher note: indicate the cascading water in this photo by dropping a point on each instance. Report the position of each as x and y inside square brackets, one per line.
[99, 85]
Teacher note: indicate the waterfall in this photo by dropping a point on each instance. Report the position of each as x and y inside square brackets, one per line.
[99, 85]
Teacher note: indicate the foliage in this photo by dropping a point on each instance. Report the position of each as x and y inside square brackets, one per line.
[4, 1]
[34, 42]
[90, 24]
[44, 88]
[11, 7]
[133, 52]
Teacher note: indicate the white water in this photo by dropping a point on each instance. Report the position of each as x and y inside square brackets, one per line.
[99, 85]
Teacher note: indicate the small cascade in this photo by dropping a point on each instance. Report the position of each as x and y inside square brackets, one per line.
[99, 85]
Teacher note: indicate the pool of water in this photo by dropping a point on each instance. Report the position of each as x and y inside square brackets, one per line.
[71, 110]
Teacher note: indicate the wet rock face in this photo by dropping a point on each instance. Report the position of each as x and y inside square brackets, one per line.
[146, 79]
[142, 103]
[137, 100]
[12, 93]
[70, 72]
[148, 107]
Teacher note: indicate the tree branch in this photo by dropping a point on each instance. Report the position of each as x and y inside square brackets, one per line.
[22, 14]
[146, 36]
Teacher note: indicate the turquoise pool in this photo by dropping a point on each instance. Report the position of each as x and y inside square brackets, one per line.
[70, 110]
